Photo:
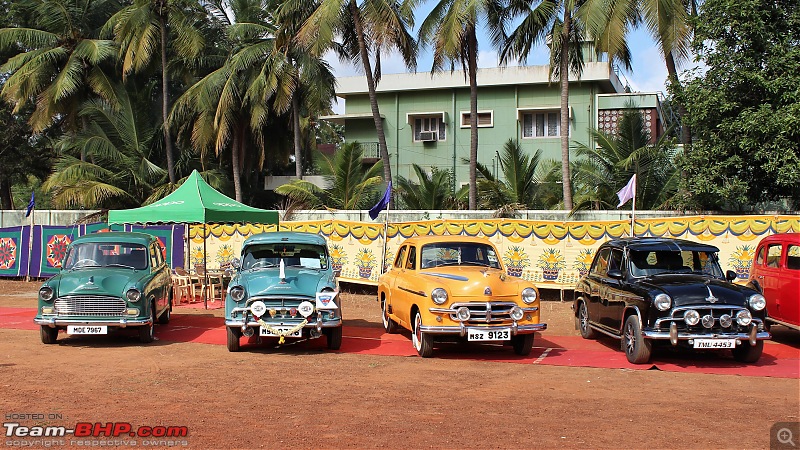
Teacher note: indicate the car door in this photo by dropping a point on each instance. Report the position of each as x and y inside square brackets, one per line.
[614, 293]
[594, 283]
[393, 295]
[406, 287]
[767, 273]
[790, 284]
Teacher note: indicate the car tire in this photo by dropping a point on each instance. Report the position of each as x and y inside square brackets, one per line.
[523, 343]
[582, 322]
[423, 342]
[49, 335]
[637, 348]
[747, 353]
[147, 332]
[334, 337]
[163, 319]
[389, 325]
[233, 339]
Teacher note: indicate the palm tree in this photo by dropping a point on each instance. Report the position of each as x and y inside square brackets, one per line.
[520, 188]
[564, 24]
[349, 184]
[432, 191]
[57, 60]
[143, 27]
[452, 27]
[607, 167]
[365, 29]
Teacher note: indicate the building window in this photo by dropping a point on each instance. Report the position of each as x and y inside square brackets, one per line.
[541, 124]
[485, 119]
[429, 129]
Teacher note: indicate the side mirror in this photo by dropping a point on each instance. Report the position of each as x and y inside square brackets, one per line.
[730, 275]
[615, 274]
[236, 263]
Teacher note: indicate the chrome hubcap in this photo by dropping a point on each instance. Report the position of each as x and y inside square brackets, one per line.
[385, 313]
[583, 317]
[417, 332]
[629, 338]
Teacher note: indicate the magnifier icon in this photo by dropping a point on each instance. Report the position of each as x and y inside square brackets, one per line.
[784, 436]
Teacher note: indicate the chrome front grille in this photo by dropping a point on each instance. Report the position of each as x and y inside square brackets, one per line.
[90, 305]
[714, 312]
[282, 306]
[486, 312]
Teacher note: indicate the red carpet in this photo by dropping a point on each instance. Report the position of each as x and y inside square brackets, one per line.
[779, 360]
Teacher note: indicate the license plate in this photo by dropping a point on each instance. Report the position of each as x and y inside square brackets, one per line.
[498, 334]
[281, 328]
[714, 343]
[85, 329]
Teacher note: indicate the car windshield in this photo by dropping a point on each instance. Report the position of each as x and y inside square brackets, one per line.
[106, 254]
[459, 254]
[261, 256]
[643, 263]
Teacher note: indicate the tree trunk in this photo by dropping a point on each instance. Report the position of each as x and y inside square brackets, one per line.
[6, 200]
[165, 100]
[373, 100]
[672, 72]
[564, 82]
[472, 69]
[235, 163]
[298, 151]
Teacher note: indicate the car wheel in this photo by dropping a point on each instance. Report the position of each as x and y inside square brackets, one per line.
[147, 332]
[636, 347]
[582, 320]
[523, 343]
[166, 315]
[388, 324]
[233, 339]
[334, 336]
[48, 335]
[747, 353]
[423, 342]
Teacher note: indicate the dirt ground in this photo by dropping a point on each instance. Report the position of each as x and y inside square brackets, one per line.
[295, 398]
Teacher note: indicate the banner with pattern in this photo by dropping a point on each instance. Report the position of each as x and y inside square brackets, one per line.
[14, 251]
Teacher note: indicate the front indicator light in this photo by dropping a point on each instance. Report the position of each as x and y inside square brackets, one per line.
[743, 318]
[517, 313]
[133, 312]
[691, 317]
[463, 314]
[47, 310]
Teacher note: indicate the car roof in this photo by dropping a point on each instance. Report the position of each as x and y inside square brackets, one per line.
[658, 243]
[422, 240]
[117, 236]
[782, 237]
[293, 237]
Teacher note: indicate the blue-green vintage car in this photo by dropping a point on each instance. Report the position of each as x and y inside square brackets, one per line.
[284, 287]
[107, 281]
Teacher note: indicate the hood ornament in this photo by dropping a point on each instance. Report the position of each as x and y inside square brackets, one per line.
[91, 279]
[487, 291]
[711, 298]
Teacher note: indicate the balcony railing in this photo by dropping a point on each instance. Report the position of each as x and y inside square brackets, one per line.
[371, 150]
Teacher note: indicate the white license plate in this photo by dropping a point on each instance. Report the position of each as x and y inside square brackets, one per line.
[87, 329]
[268, 331]
[497, 334]
[714, 343]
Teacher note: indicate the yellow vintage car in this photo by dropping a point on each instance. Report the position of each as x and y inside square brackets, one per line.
[455, 288]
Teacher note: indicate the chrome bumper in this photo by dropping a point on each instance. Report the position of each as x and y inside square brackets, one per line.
[462, 329]
[761, 335]
[252, 323]
[53, 322]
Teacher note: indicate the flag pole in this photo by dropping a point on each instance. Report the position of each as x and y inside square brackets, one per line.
[30, 248]
[633, 213]
[385, 236]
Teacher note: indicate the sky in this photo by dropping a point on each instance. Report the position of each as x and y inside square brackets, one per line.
[648, 73]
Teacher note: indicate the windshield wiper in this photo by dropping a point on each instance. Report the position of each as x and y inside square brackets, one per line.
[121, 265]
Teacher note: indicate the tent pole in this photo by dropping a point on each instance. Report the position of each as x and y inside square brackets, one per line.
[205, 267]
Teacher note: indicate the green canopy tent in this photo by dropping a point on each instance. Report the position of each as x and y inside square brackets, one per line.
[194, 202]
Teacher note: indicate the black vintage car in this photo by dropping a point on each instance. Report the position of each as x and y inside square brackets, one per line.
[648, 291]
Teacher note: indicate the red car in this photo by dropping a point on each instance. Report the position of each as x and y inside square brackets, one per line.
[776, 273]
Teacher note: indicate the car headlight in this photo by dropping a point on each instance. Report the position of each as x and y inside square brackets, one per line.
[517, 313]
[662, 302]
[439, 296]
[133, 295]
[237, 293]
[529, 295]
[46, 293]
[743, 318]
[757, 302]
[691, 317]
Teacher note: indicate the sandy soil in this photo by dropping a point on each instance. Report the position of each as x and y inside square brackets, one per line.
[294, 398]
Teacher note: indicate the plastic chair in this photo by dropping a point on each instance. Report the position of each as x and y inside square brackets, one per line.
[211, 282]
[181, 286]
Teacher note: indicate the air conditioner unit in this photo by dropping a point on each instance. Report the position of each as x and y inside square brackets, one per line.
[427, 136]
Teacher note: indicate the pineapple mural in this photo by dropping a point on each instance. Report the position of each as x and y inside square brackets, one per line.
[551, 261]
[196, 256]
[741, 260]
[224, 255]
[338, 257]
[516, 260]
[365, 261]
[584, 261]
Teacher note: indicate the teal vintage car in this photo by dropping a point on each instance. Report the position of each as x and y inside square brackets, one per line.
[284, 287]
[107, 281]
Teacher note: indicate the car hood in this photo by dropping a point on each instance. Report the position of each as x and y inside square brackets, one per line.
[96, 281]
[460, 281]
[698, 289]
[298, 281]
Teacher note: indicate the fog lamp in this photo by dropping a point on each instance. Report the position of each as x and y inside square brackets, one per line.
[691, 317]
[708, 321]
[726, 320]
[743, 318]
[517, 313]
[462, 314]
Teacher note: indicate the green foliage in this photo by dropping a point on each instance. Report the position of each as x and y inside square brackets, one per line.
[349, 184]
[431, 191]
[745, 109]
